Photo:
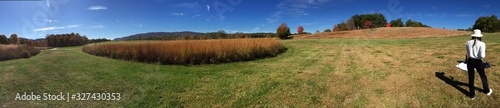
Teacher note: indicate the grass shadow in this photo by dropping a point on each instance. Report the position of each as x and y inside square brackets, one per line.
[455, 84]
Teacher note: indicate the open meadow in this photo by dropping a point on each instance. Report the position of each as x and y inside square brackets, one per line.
[335, 72]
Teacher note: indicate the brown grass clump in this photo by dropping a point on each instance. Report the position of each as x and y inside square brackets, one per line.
[186, 52]
[8, 52]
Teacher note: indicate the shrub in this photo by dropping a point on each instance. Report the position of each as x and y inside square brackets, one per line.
[8, 52]
[397, 23]
[189, 52]
[410, 23]
[3, 39]
[283, 31]
[327, 31]
[14, 39]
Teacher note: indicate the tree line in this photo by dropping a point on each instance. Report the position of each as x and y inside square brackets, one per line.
[409, 23]
[196, 36]
[487, 24]
[62, 40]
[52, 40]
[367, 21]
[14, 39]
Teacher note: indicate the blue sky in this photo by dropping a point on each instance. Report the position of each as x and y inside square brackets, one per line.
[117, 18]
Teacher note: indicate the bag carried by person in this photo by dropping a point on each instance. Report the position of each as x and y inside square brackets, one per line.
[463, 65]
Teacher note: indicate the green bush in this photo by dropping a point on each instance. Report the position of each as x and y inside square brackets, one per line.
[487, 24]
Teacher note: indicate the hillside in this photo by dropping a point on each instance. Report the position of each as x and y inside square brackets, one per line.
[396, 32]
[159, 35]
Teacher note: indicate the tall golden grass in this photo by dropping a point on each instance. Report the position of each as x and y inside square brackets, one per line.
[8, 52]
[189, 52]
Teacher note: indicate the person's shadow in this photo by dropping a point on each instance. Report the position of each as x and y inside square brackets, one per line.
[455, 84]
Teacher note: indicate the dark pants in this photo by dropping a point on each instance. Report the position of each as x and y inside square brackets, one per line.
[478, 65]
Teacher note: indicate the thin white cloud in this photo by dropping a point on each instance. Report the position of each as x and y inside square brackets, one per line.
[48, 3]
[294, 8]
[434, 8]
[309, 23]
[440, 15]
[208, 8]
[411, 15]
[98, 8]
[131, 20]
[97, 26]
[48, 28]
[50, 21]
[464, 15]
[256, 28]
[487, 6]
[188, 5]
[55, 28]
[47, 20]
[135, 24]
[73, 26]
[274, 17]
[196, 16]
[177, 14]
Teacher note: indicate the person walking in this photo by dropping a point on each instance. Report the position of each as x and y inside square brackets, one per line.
[476, 52]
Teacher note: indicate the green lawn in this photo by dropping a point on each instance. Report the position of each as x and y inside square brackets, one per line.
[311, 73]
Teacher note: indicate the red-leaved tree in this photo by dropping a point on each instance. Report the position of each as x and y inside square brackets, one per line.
[300, 29]
[367, 24]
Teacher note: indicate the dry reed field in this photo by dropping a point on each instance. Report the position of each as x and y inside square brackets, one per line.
[190, 52]
[8, 52]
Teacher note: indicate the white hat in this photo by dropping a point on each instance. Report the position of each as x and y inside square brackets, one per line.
[477, 33]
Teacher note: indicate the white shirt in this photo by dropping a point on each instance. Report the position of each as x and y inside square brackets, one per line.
[477, 51]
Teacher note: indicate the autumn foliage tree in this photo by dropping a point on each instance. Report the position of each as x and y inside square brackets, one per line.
[14, 39]
[62, 40]
[377, 20]
[350, 25]
[283, 31]
[40, 43]
[341, 27]
[335, 28]
[23, 41]
[300, 30]
[3, 39]
[367, 24]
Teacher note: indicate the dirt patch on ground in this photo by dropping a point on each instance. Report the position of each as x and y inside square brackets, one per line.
[396, 32]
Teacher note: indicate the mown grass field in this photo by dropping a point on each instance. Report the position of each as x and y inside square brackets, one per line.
[311, 73]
